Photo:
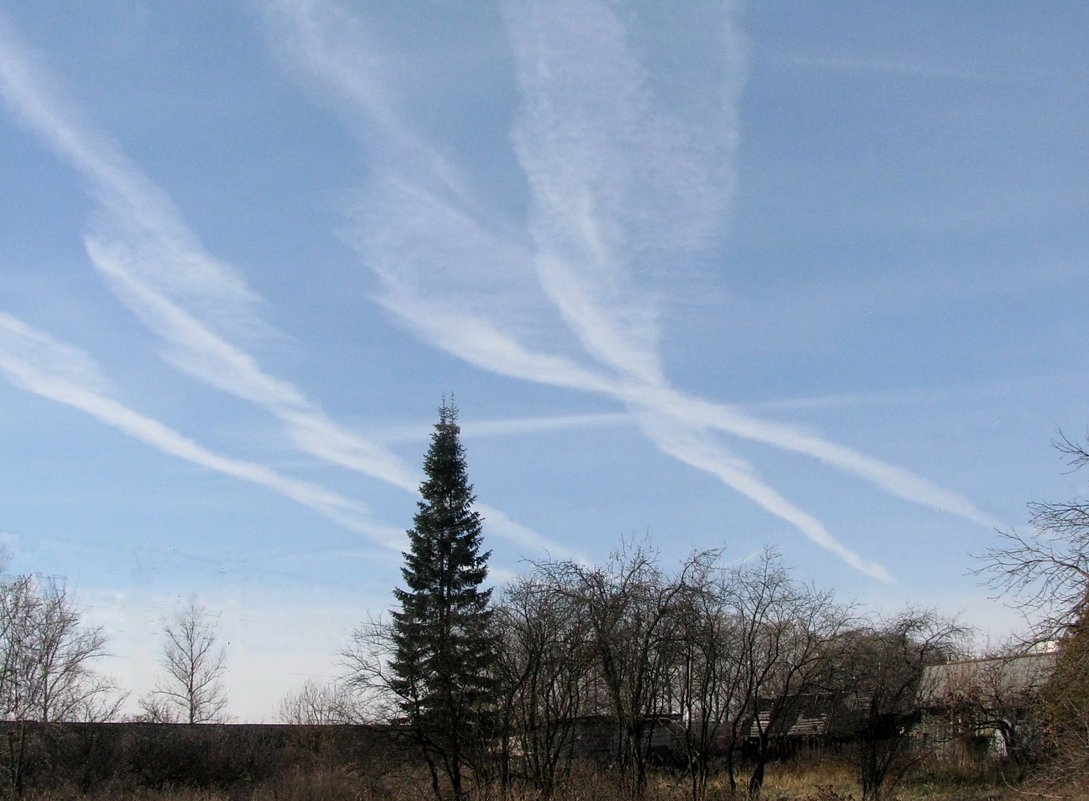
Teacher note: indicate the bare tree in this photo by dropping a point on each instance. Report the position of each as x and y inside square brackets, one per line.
[544, 672]
[705, 684]
[45, 665]
[191, 690]
[157, 708]
[365, 662]
[880, 667]
[784, 653]
[753, 642]
[630, 608]
[46, 657]
[321, 704]
[1048, 569]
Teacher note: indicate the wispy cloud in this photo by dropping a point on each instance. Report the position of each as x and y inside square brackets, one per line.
[620, 189]
[621, 192]
[22, 345]
[537, 425]
[157, 267]
[694, 447]
[602, 142]
[894, 480]
[40, 364]
[620, 185]
[200, 352]
[132, 202]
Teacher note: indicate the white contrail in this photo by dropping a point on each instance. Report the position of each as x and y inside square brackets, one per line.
[698, 449]
[202, 353]
[157, 267]
[42, 365]
[154, 258]
[894, 480]
[551, 103]
[597, 157]
[601, 142]
[132, 201]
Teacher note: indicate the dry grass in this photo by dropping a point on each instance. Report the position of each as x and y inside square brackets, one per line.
[835, 781]
[817, 781]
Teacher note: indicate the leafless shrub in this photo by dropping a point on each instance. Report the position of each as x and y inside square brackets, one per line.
[190, 690]
[321, 704]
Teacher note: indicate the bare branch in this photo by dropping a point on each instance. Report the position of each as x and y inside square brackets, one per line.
[191, 691]
[1047, 571]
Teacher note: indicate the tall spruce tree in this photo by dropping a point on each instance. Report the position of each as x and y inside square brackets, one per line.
[444, 651]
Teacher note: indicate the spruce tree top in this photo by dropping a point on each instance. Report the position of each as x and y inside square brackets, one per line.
[447, 532]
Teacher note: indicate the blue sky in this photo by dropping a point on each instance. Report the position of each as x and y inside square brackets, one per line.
[808, 275]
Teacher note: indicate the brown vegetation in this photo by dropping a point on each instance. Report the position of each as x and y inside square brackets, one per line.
[177, 762]
[823, 780]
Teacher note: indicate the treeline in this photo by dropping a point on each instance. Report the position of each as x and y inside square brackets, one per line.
[704, 667]
[713, 653]
[502, 692]
[711, 644]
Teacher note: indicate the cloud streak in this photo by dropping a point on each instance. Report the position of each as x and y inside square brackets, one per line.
[154, 264]
[620, 192]
[157, 267]
[25, 350]
[203, 354]
[693, 447]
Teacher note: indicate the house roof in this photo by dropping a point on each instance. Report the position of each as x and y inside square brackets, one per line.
[998, 679]
[814, 714]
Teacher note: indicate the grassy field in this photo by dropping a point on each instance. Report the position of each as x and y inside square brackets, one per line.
[823, 782]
